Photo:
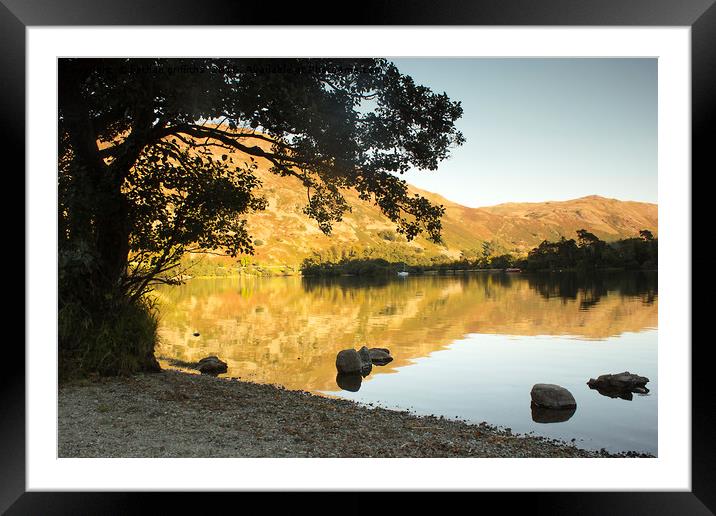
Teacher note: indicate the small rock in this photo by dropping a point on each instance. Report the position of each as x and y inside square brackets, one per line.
[552, 396]
[625, 381]
[380, 356]
[620, 385]
[366, 362]
[212, 366]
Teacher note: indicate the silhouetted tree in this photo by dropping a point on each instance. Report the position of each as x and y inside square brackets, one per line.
[593, 253]
[646, 234]
[586, 238]
[146, 172]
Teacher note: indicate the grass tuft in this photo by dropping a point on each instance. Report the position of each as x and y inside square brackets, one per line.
[116, 341]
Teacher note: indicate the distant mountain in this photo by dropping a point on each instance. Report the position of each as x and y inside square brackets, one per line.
[284, 235]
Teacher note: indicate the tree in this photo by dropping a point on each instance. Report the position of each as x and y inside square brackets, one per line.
[592, 253]
[646, 235]
[487, 249]
[147, 169]
[586, 238]
[503, 261]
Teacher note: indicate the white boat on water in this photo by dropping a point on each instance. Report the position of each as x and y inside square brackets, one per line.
[403, 273]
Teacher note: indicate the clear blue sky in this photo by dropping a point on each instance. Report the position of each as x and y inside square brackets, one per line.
[545, 129]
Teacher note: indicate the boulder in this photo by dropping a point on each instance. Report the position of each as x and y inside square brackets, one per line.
[625, 382]
[349, 361]
[621, 385]
[380, 356]
[552, 396]
[212, 366]
[366, 362]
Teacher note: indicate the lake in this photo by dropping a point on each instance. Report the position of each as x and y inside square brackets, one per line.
[467, 346]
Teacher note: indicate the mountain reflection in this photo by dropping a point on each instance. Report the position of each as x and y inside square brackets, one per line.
[287, 331]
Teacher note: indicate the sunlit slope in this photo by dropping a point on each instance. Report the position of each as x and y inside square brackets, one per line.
[285, 235]
[288, 330]
[609, 219]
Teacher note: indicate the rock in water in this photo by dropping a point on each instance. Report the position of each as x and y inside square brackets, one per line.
[364, 354]
[620, 385]
[552, 396]
[366, 362]
[212, 366]
[348, 361]
[625, 381]
[380, 356]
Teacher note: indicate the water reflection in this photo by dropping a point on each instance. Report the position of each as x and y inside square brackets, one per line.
[590, 288]
[468, 345]
[349, 382]
[547, 415]
[614, 393]
[288, 330]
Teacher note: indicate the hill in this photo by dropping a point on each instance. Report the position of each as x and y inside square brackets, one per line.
[284, 235]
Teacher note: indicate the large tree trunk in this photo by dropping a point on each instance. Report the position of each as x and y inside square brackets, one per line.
[112, 233]
[102, 198]
[110, 334]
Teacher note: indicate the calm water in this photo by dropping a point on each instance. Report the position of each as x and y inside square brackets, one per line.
[468, 346]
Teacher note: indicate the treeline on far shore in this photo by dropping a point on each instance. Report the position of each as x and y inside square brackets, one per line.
[589, 253]
[585, 253]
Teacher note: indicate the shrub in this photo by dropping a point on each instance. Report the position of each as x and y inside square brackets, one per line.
[109, 342]
[387, 235]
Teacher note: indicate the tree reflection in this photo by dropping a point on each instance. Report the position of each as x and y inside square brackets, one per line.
[288, 330]
[589, 288]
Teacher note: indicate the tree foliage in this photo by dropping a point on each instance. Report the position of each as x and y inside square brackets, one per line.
[153, 189]
[157, 158]
[592, 253]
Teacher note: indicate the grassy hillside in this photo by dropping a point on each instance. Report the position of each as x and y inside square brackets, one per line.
[284, 235]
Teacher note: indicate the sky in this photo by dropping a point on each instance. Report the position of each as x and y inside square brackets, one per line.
[545, 129]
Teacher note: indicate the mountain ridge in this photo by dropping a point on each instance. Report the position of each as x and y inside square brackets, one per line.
[284, 235]
[591, 197]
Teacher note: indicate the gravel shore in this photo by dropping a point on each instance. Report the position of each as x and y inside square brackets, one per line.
[174, 414]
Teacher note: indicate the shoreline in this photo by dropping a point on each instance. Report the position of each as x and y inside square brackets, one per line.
[177, 414]
[427, 272]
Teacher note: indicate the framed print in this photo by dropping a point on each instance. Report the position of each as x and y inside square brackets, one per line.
[424, 257]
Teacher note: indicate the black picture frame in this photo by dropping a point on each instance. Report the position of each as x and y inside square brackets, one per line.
[699, 15]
